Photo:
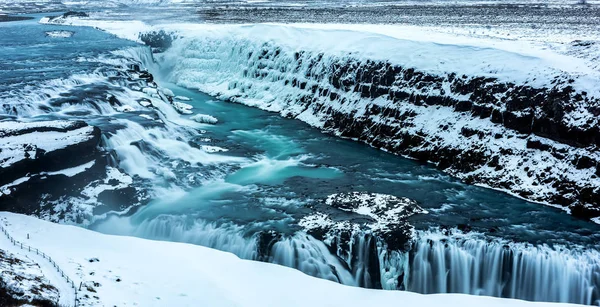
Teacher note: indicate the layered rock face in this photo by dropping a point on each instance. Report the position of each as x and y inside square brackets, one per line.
[535, 141]
[46, 159]
[539, 143]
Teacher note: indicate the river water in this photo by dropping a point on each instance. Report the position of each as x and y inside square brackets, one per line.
[274, 167]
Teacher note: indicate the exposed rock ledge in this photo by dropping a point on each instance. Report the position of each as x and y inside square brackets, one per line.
[345, 214]
[366, 228]
[46, 158]
[538, 143]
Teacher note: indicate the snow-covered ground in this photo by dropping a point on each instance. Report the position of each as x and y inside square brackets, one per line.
[36, 271]
[23, 278]
[127, 271]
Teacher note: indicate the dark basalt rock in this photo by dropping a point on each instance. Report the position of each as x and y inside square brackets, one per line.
[62, 18]
[358, 226]
[116, 200]
[583, 211]
[146, 76]
[75, 14]
[346, 214]
[159, 41]
[7, 18]
[81, 149]
[44, 174]
[266, 240]
[387, 95]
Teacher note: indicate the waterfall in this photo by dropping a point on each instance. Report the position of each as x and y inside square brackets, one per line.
[437, 263]
[280, 79]
[299, 251]
[473, 265]
[360, 253]
[312, 257]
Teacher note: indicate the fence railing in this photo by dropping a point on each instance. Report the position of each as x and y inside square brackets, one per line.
[49, 259]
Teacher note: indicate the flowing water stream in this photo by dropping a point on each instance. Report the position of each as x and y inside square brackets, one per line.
[248, 199]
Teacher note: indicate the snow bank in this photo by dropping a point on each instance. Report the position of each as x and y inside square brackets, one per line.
[131, 271]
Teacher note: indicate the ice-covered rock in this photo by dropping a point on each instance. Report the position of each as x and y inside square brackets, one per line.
[213, 149]
[204, 119]
[60, 34]
[64, 18]
[145, 103]
[125, 108]
[159, 41]
[167, 92]
[51, 144]
[46, 158]
[183, 98]
[182, 108]
[150, 91]
[382, 215]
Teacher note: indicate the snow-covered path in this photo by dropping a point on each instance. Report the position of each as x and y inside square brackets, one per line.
[66, 291]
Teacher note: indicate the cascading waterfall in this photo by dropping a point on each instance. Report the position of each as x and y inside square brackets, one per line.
[298, 251]
[437, 263]
[33, 101]
[372, 264]
[358, 251]
[223, 237]
[394, 268]
[468, 264]
[472, 264]
[311, 256]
